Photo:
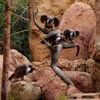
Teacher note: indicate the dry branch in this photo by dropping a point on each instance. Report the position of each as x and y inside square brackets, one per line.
[19, 16]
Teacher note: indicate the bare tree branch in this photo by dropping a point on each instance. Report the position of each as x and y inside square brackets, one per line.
[19, 32]
[19, 16]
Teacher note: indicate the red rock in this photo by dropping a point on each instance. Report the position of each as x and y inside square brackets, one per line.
[68, 65]
[79, 16]
[82, 80]
[52, 86]
[72, 90]
[96, 54]
[96, 76]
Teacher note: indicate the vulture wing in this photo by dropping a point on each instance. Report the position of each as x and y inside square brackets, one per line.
[56, 21]
[77, 32]
[21, 69]
[43, 18]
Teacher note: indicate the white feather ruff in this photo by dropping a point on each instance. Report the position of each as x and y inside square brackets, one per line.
[28, 70]
[71, 36]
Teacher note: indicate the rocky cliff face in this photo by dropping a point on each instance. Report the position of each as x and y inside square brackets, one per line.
[52, 86]
[80, 16]
[49, 7]
[58, 8]
[96, 54]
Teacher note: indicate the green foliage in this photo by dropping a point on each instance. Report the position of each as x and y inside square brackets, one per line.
[2, 2]
[19, 41]
[63, 97]
[11, 98]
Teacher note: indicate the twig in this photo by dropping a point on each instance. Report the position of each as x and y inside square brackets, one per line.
[19, 32]
[20, 16]
[16, 33]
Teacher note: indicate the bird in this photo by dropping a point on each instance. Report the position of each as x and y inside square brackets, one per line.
[21, 71]
[54, 37]
[70, 34]
[49, 21]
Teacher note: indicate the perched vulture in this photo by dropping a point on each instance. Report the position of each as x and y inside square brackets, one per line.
[49, 21]
[54, 37]
[70, 34]
[21, 71]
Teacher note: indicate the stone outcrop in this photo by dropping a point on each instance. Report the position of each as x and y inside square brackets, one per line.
[77, 19]
[96, 54]
[23, 90]
[68, 65]
[52, 86]
[86, 96]
[80, 16]
[96, 76]
[89, 2]
[82, 80]
[49, 7]
[72, 90]
[15, 58]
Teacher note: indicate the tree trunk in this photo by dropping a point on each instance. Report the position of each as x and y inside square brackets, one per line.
[7, 19]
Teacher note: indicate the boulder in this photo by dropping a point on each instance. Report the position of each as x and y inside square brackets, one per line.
[82, 80]
[86, 96]
[68, 65]
[72, 90]
[89, 2]
[97, 13]
[52, 86]
[23, 90]
[15, 58]
[89, 65]
[76, 65]
[96, 54]
[79, 16]
[57, 8]
[96, 76]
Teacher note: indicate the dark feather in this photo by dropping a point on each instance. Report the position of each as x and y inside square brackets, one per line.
[52, 20]
[43, 18]
[51, 37]
[68, 31]
[10, 78]
[77, 32]
[20, 71]
[56, 21]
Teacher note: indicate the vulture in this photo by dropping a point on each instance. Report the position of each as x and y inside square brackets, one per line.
[49, 21]
[54, 37]
[70, 34]
[21, 71]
